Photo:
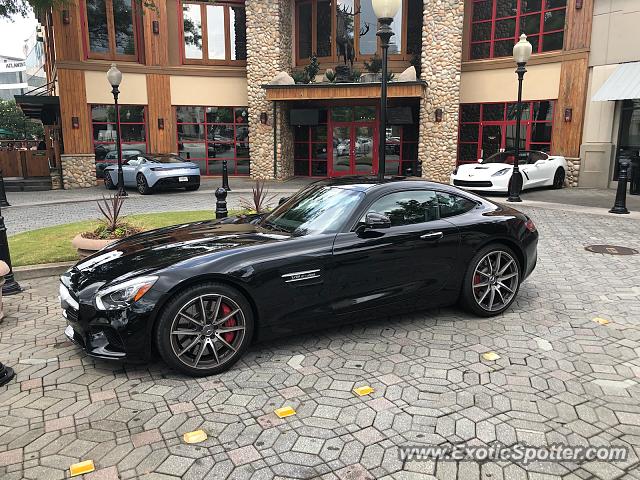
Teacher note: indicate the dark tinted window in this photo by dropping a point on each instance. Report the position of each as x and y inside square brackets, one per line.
[407, 208]
[452, 205]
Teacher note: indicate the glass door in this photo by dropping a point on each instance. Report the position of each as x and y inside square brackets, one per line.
[341, 157]
[353, 149]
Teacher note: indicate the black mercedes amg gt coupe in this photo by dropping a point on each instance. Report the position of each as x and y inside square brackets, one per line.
[337, 251]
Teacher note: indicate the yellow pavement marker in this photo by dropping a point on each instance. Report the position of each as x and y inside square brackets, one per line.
[362, 391]
[82, 468]
[490, 356]
[601, 321]
[285, 412]
[195, 437]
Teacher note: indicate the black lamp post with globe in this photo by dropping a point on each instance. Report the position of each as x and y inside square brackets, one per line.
[115, 78]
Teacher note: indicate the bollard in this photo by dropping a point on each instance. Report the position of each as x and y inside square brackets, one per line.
[620, 204]
[221, 203]
[6, 374]
[225, 176]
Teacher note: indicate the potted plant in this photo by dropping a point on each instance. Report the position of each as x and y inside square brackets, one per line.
[260, 199]
[373, 67]
[110, 229]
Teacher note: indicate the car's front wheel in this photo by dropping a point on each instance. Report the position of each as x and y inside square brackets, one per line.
[142, 185]
[108, 181]
[205, 329]
[492, 281]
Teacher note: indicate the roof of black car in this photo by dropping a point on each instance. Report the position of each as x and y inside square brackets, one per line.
[364, 182]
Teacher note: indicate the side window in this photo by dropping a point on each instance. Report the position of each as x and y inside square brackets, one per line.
[407, 208]
[452, 205]
[535, 156]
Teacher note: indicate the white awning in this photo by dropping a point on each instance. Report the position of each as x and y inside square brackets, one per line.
[623, 84]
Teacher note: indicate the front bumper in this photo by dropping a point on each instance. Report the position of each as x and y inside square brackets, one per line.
[495, 184]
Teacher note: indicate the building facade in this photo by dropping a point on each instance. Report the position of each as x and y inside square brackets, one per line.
[199, 81]
[12, 77]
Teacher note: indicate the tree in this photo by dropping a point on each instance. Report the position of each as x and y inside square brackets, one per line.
[13, 120]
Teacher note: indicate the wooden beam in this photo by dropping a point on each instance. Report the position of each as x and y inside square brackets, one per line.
[348, 91]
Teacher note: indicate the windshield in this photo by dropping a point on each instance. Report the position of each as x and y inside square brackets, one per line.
[166, 159]
[317, 209]
[501, 157]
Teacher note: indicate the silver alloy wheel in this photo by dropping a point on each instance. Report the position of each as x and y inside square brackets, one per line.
[142, 183]
[495, 280]
[207, 331]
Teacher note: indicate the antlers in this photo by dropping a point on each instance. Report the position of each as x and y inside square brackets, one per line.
[349, 11]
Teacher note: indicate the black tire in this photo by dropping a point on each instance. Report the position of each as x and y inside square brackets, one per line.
[558, 179]
[173, 348]
[473, 280]
[108, 182]
[192, 188]
[142, 185]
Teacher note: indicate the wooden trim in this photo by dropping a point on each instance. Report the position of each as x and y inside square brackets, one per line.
[189, 70]
[538, 59]
[68, 37]
[578, 25]
[343, 91]
[159, 106]
[73, 103]
[112, 55]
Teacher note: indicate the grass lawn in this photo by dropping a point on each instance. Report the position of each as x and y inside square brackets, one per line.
[53, 244]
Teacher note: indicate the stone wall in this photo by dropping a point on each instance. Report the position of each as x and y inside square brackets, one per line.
[572, 177]
[78, 170]
[441, 65]
[269, 51]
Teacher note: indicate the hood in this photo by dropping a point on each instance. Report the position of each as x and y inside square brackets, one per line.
[481, 169]
[151, 251]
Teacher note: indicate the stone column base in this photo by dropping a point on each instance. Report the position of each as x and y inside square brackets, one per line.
[573, 174]
[78, 170]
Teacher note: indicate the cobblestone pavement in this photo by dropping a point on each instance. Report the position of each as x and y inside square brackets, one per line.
[561, 377]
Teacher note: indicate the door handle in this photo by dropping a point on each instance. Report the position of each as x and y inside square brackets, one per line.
[432, 236]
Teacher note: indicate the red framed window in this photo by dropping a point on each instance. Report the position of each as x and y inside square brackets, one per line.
[209, 135]
[133, 131]
[496, 26]
[310, 148]
[111, 29]
[488, 128]
[401, 154]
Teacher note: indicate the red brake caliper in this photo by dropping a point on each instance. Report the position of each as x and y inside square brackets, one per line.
[229, 323]
[476, 279]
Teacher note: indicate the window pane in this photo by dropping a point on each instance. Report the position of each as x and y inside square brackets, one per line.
[300, 133]
[319, 151]
[414, 26]
[530, 24]
[242, 115]
[188, 132]
[132, 133]
[192, 150]
[103, 113]
[192, 24]
[468, 152]
[452, 205]
[104, 132]
[242, 149]
[534, 41]
[541, 146]
[482, 10]
[470, 112]
[552, 41]
[409, 151]
[323, 28]
[481, 31]
[555, 3]
[134, 113]
[469, 133]
[301, 168]
[554, 20]
[506, 8]
[395, 45]
[407, 208]
[319, 169]
[344, 27]
[511, 137]
[528, 6]
[220, 150]
[319, 133]
[630, 124]
[215, 32]
[97, 26]
[480, 50]
[301, 151]
[503, 48]
[189, 114]
[493, 111]
[342, 114]
[543, 111]
[368, 41]
[123, 23]
[541, 132]
[506, 28]
[243, 167]
[220, 133]
[512, 111]
[304, 30]
[219, 115]
[238, 32]
[365, 113]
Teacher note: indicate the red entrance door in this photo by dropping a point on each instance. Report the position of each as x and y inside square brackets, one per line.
[353, 148]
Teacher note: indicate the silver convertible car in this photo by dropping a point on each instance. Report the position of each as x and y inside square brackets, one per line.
[148, 172]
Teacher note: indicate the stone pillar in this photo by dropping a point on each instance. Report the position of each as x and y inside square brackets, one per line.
[269, 51]
[78, 170]
[441, 60]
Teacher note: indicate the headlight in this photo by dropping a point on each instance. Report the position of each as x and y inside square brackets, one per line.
[123, 294]
[499, 173]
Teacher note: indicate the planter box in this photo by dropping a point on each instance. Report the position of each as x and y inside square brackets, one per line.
[88, 246]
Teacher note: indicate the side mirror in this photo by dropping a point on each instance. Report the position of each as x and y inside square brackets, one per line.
[375, 220]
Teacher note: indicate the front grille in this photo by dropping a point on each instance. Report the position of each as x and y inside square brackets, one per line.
[470, 183]
[72, 315]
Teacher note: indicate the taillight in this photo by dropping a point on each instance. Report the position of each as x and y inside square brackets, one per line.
[530, 225]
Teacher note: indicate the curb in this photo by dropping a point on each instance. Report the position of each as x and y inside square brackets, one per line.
[30, 272]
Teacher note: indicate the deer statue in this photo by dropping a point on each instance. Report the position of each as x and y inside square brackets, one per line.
[344, 33]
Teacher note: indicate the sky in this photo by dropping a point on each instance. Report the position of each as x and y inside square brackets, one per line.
[14, 32]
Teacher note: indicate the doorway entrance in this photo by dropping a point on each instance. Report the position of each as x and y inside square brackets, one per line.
[354, 148]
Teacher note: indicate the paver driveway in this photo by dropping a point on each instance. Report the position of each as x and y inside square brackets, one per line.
[561, 377]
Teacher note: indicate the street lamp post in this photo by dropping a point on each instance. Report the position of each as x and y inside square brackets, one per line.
[385, 10]
[115, 78]
[521, 54]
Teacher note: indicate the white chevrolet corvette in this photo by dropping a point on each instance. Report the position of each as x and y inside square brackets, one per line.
[492, 174]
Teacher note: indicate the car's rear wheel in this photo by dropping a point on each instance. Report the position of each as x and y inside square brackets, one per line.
[142, 185]
[558, 179]
[108, 181]
[205, 329]
[492, 281]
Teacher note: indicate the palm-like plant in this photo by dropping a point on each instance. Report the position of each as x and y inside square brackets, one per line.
[110, 209]
[260, 198]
